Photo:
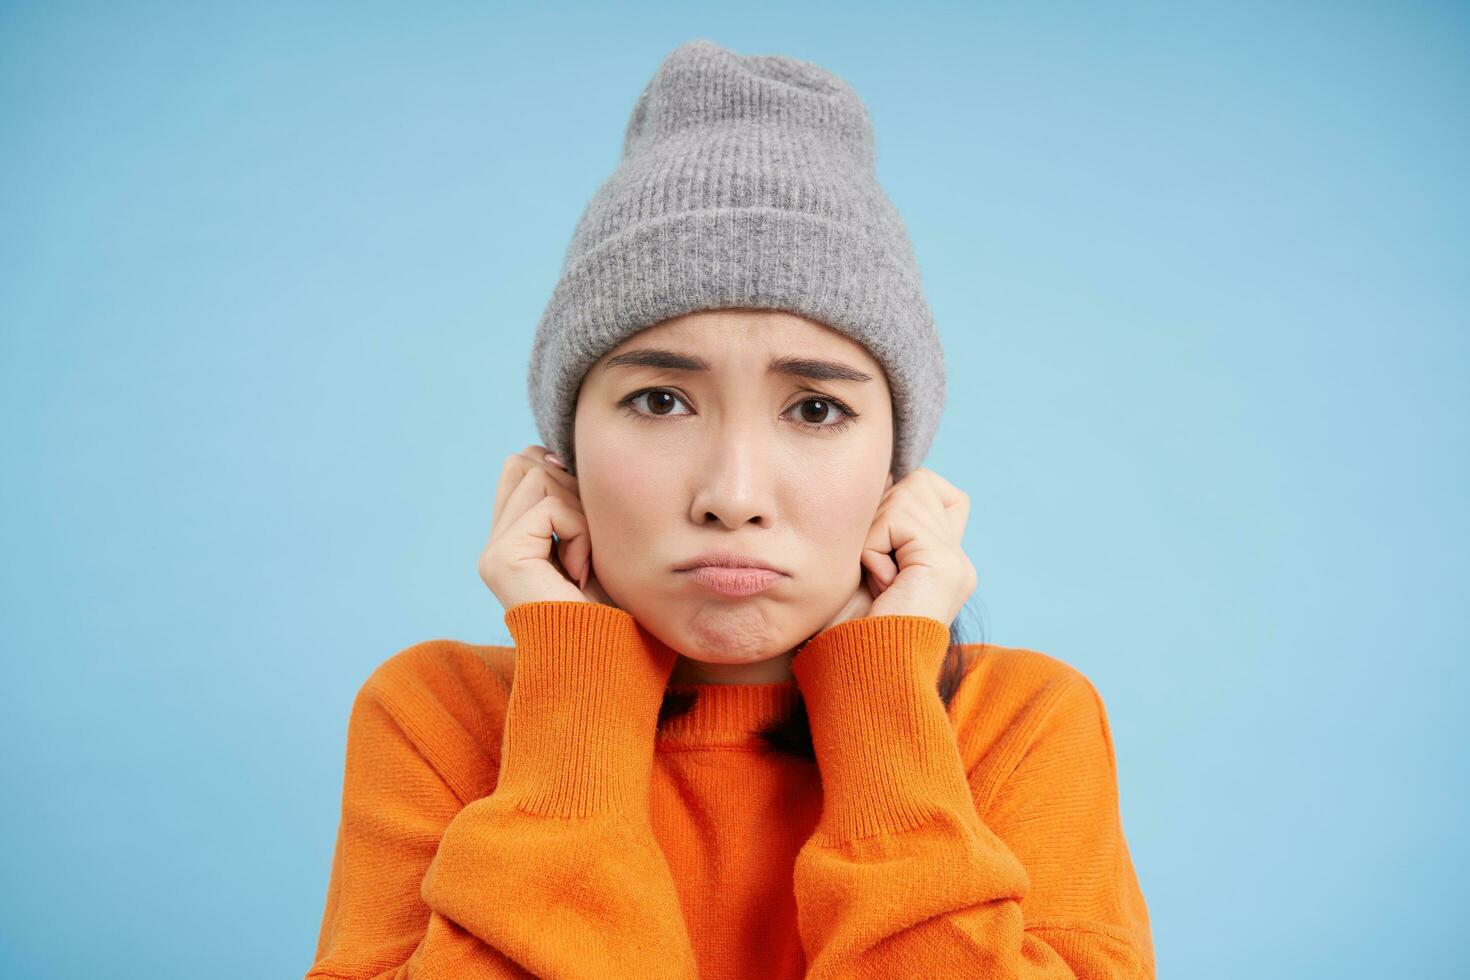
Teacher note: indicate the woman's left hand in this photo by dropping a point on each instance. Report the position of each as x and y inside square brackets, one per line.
[920, 522]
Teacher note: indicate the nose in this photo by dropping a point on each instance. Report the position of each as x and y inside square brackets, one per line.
[735, 475]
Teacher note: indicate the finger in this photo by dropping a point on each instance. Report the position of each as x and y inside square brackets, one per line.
[592, 587]
[882, 566]
[531, 534]
[927, 490]
[572, 554]
[537, 484]
[538, 454]
[532, 480]
[953, 502]
[911, 532]
[511, 472]
[924, 514]
[923, 536]
[514, 470]
[875, 556]
[871, 584]
[569, 555]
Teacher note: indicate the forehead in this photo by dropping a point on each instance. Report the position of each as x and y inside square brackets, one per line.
[748, 340]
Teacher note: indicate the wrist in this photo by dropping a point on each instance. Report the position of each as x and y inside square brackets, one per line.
[583, 709]
[885, 746]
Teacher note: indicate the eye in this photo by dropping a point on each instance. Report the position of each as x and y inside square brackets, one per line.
[825, 408]
[662, 400]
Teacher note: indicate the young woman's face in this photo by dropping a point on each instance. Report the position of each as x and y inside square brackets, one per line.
[674, 461]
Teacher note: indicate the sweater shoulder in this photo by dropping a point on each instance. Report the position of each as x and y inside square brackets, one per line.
[1009, 699]
[449, 697]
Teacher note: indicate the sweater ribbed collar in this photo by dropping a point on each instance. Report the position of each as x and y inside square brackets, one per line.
[727, 715]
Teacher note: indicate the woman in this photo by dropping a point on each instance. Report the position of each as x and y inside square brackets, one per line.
[735, 735]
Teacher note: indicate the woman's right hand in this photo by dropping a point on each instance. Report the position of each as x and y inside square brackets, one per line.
[539, 547]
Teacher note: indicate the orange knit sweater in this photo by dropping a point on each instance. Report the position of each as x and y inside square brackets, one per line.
[515, 811]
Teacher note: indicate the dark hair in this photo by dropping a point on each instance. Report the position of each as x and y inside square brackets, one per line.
[792, 735]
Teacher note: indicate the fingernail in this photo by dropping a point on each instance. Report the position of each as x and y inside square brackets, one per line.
[555, 460]
[585, 569]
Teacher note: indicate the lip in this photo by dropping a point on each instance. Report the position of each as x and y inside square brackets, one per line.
[728, 559]
[733, 574]
[734, 581]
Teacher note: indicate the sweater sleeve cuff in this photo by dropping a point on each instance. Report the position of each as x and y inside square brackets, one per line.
[885, 747]
[583, 709]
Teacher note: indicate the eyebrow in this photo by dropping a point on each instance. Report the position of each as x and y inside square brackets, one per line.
[811, 369]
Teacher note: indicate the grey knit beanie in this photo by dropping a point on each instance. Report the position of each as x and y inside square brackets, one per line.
[745, 181]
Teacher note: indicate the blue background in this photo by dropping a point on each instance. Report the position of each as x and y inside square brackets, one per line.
[268, 281]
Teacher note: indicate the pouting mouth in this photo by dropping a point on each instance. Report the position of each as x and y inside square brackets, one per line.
[727, 559]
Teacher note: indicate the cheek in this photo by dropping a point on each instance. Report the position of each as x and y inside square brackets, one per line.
[836, 517]
[627, 513]
[617, 502]
[606, 486]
